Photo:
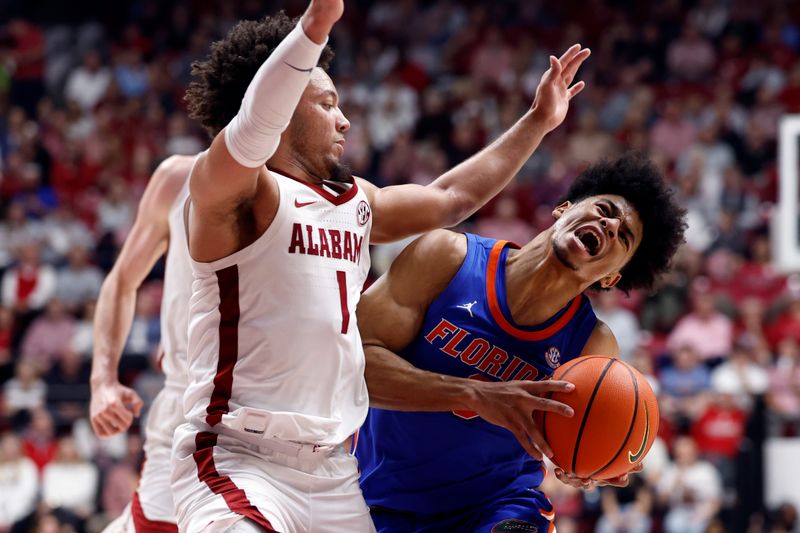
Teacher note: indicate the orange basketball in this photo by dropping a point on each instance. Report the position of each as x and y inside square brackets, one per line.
[615, 422]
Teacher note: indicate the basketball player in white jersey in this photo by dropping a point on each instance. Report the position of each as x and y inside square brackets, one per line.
[158, 229]
[278, 237]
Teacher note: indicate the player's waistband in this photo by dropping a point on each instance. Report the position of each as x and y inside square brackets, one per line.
[301, 450]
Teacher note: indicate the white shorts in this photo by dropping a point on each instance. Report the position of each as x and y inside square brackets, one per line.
[151, 509]
[217, 480]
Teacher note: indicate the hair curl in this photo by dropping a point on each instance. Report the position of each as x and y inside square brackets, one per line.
[636, 179]
[220, 81]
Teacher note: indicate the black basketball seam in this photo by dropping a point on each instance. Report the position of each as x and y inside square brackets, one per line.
[630, 427]
[550, 394]
[586, 413]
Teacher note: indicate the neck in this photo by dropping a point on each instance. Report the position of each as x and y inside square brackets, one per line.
[287, 162]
[538, 284]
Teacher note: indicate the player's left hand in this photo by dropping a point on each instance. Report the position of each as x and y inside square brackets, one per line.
[555, 89]
[587, 484]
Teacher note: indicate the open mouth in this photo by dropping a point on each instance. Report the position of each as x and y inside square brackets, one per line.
[590, 240]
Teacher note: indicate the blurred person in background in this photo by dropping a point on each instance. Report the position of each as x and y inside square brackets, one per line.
[29, 284]
[48, 336]
[69, 485]
[684, 386]
[19, 484]
[622, 321]
[783, 395]
[39, 438]
[705, 330]
[742, 375]
[26, 391]
[78, 281]
[691, 488]
[626, 509]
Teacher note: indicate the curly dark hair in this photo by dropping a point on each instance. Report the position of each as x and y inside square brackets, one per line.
[220, 81]
[635, 178]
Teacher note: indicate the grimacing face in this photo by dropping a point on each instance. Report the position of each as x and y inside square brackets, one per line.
[596, 237]
[317, 128]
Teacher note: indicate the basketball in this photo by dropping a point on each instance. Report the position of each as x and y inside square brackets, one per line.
[615, 422]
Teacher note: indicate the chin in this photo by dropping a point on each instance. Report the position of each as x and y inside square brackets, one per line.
[562, 254]
[339, 172]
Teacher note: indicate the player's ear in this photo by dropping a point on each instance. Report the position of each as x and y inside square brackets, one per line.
[611, 280]
[558, 211]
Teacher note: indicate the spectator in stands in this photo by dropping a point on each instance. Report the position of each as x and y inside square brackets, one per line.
[48, 336]
[783, 397]
[692, 488]
[19, 483]
[684, 385]
[691, 57]
[83, 339]
[26, 391]
[741, 375]
[16, 231]
[121, 479]
[707, 331]
[69, 484]
[627, 509]
[88, 83]
[623, 322]
[79, 281]
[787, 325]
[39, 438]
[505, 223]
[68, 387]
[30, 284]
[718, 432]
[6, 335]
[63, 232]
[673, 133]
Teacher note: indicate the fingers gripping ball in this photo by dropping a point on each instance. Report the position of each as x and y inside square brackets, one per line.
[615, 423]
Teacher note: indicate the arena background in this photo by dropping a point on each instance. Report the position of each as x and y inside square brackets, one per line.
[91, 101]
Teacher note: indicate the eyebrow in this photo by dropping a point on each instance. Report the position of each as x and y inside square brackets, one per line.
[617, 212]
[330, 92]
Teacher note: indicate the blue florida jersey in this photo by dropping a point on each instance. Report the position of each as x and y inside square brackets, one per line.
[442, 462]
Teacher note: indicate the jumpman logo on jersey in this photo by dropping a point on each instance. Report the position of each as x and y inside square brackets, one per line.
[468, 307]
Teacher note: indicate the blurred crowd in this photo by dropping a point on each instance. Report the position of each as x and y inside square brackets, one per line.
[89, 108]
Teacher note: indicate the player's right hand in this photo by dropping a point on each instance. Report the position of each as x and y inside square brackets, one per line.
[112, 408]
[320, 17]
[510, 404]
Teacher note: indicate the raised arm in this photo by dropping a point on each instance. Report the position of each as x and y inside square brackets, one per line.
[113, 405]
[390, 315]
[227, 174]
[411, 209]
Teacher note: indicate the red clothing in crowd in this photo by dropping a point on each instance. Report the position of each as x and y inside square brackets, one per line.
[719, 430]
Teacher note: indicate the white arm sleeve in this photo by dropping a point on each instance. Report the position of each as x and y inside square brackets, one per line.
[271, 98]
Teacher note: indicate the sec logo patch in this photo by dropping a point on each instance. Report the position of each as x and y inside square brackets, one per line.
[516, 526]
[362, 212]
[553, 357]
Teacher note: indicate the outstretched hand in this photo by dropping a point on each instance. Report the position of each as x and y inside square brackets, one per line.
[588, 484]
[320, 17]
[555, 89]
[510, 404]
[112, 408]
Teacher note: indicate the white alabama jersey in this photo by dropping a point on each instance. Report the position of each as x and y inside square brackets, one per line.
[175, 299]
[274, 348]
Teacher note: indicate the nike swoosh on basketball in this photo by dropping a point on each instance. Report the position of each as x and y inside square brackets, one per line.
[633, 457]
[303, 204]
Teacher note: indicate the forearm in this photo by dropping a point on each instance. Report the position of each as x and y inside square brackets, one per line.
[116, 307]
[396, 384]
[271, 98]
[479, 178]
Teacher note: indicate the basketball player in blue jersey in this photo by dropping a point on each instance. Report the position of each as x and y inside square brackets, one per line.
[450, 443]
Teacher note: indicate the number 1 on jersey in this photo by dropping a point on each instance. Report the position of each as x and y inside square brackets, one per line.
[341, 279]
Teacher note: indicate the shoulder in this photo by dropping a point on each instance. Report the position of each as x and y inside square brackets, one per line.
[601, 341]
[166, 184]
[369, 188]
[426, 266]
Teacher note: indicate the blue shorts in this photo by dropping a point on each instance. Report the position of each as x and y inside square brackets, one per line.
[519, 512]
